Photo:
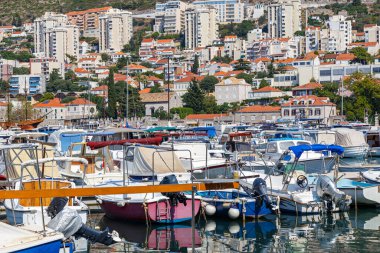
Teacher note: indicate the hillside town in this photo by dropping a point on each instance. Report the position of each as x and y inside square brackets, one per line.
[198, 63]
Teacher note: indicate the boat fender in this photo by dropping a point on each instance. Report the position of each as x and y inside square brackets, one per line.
[120, 203]
[174, 197]
[233, 213]
[210, 226]
[210, 209]
[234, 227]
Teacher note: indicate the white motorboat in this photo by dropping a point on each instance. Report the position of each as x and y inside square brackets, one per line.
[361, 193]
[310, 161]
[63, 138]
[28, 211]
[295, 194]
[353, 142]
[371, 176]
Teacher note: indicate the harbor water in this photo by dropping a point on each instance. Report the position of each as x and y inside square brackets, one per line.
[355, 231]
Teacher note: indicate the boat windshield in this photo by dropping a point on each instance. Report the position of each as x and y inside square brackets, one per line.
[284, 145]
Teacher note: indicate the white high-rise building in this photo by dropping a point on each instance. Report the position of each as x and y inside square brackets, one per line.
[339, 33]
[284, 18]
[170, 17]
[54, 38]
[228, 11]
[201, 27]
[115, 29]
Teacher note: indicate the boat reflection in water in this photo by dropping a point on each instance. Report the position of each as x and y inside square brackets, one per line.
[231, 236]
[173, 238]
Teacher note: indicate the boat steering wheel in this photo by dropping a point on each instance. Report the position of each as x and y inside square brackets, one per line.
[302, 181]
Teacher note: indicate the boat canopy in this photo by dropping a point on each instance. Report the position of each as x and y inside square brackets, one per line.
[150, 141]
[210, 130]
[88, 134]
[298, 150]
[347, 137]
[149, 161]
[161, 128]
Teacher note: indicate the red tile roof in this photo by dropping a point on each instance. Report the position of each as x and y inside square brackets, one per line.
[136, 66]
[363, 44]
[267, 89]
[100, 88]
[316, 101]
[165, 41]
[148, 40]
[144, 91]
[56, 102]
[80, 101]
[81, 70]
[308, 86]
[188, 79]
[204, 116]
[260, 109]
[263, 59]
[345, 57]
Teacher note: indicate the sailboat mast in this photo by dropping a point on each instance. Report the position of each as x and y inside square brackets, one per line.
[168, 91]
[26, 102]
[341, 93]
[126, 104]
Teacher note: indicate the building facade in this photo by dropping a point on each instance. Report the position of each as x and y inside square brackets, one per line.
[201, 28]
[284, 18]
[115, 29]
[228, 11]
[29, 84]
[170, 17]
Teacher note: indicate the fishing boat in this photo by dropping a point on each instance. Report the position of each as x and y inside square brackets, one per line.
[310, 161]
[27, 240]
[371, 176]
[28, 211]
[149, 166]
[353, 142]
[361, 193]
[373, 141]
[295, 194]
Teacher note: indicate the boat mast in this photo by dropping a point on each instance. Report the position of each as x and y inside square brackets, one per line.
[168, 91]
[341, 93]
[126, 104]
[26, 102]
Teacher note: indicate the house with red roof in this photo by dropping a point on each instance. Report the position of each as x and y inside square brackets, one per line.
[267, 92]
[147, 48]
[100, 91]
[137, 69]
[258, 114]
[371, 47]
[81, 72]
[181, 85]
[309, 107]
[306, 89]
[207, 119]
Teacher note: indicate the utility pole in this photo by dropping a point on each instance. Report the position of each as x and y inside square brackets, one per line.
[168, 71]
[126, 103]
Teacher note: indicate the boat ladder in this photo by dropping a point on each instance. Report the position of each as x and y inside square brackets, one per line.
[162, 213]
[163, 235]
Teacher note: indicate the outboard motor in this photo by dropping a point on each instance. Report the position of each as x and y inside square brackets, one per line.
[68, 222]
[174, 197]
[329, 194]
[259, 191]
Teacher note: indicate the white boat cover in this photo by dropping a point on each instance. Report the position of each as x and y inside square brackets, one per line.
[347, 137]
[325, 137]
[146, 160]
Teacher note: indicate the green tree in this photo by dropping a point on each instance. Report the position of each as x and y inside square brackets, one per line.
[270, 70]
[47, 96]
[208, 83]
[362, 55]
[247, 77]
[263, 83]
[209, 104]
[21, 71]
[182, 111]
[112, 100]
[195, 66]
[135, 107]
[223, 59]
[68, 99]
[121, 63]
[105, 57]
[243, 65]
[194, 97]
[156, 88]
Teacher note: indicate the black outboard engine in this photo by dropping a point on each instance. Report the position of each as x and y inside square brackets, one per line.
[68, 222]
[174, 197]
[259, 188]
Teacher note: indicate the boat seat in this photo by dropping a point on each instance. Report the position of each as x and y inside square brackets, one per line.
[45, 184]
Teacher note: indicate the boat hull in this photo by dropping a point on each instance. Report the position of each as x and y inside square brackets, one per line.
[355, 152]
[369, 196]
[53, 246]
[159, 211]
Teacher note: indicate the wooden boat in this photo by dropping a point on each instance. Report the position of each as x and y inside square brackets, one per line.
[24, 125]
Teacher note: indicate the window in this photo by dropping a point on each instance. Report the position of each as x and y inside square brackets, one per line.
[338, 72]
[294, 111]
[317, 112]
[325, 72]
[310, 112]
[271, 148]
[286, 112]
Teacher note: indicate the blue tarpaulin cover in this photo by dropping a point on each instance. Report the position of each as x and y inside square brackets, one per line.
[298, 150]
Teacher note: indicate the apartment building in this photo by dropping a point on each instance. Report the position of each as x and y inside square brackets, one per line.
[87, 20]
[29, 84]
[115, 30]
[228, 11]
[54, 38]
[45, 66]
[372, 33]
[284, 18]
[170, 17]
[234, 47]
[339, 33]
[201, 28]
[6, 69]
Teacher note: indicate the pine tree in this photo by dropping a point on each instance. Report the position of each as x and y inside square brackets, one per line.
[195, 67]
[111, 109]
[194, 97]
